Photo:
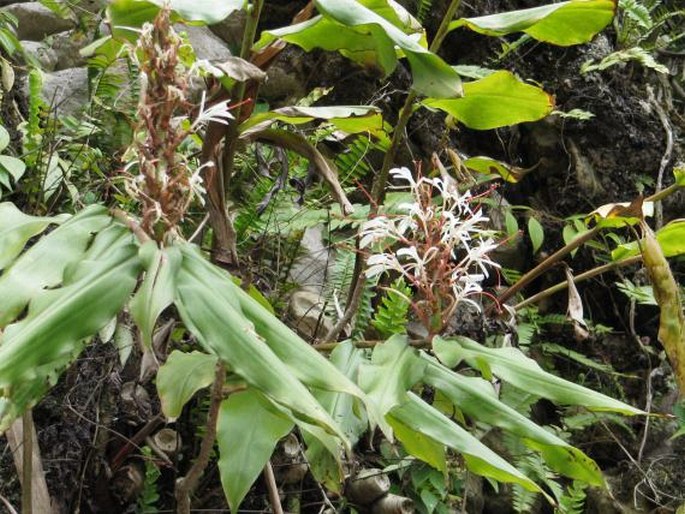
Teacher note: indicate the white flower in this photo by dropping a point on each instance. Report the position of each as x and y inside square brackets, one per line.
[219, 112]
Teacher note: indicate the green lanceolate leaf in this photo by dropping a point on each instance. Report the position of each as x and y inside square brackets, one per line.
[671, 238]
[417, 415]
[16, 228]
[35, 349]
[536, 233]
[209, 308]
[364, 35]
[476, 397]
[393, 370]
[512, 366]
[156, 292]
[180, 377]
[563, 24]
[247, 433]
[498, 100]
[303, 361]
[42, 266]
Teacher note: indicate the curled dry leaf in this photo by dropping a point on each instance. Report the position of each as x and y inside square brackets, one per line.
[574, 311]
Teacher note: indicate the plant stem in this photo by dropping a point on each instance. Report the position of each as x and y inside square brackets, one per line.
[546, 264]
[186, 485]
[378, 188]
[272, 488]
[27, 463]
[580, 278]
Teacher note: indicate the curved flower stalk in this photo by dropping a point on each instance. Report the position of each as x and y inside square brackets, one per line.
[439, 245]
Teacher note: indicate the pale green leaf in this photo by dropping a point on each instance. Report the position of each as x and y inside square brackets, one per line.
[512, 366]
[488, 166]
[417, 415]
[208, 305]
[35, 349]
[180, 377]
[13, 166]
[564, 23]
[16, 228]
[4, 138]
[498, 100]
[393, 370]
[43, 265]
[475, 397]
[156, 292]
[247, 433]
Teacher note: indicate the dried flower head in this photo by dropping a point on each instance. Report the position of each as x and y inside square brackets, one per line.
[439, 244]
[166, 182]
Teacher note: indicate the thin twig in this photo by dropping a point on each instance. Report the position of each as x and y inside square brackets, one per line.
[185, 486]
[578, 278]
[272, 488]
[350, 310]
[665, 158]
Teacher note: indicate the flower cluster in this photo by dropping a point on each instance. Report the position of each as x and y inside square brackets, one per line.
[439, 245]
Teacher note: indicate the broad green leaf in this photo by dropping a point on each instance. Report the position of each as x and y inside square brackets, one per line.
[43, 265]
[126, 16]
[180, 377]
[364, 35]
[16, 228]
[498, 100]
[417, 415]
[156, 292]
[563, 24]
[512, 366]
[350, 119]
[475, 397]
[247, 434]
[393, 370]
[35, 349]
[671, 238]
[207, 303]
[536, 233]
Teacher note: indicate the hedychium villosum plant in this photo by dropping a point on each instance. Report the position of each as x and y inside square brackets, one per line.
[440, 249]
[60, 291]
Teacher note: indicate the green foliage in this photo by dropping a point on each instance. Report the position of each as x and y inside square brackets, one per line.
[147, 501]
[392, 313]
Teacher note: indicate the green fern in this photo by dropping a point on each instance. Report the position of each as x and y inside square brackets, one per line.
[391, 317]
[573, 499]
[423, 10]
[637, 12]
[147, 501]
[364, 314]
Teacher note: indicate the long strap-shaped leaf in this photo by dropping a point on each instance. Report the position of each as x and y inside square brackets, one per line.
[206, 303]
[33, 350]
[417, 416]
[42, 266]
[472, 396]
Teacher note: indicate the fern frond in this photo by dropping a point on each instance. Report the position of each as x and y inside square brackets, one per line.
[391, 316]
[362, 319]
[423, 10]
[573, 499]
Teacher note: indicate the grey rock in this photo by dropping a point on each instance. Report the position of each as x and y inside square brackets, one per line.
[66, 91]
[310, 269]
[67, 46]
[46, 57]
[230, 30]
[37, 21]
[309, 318]
[205, 43]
